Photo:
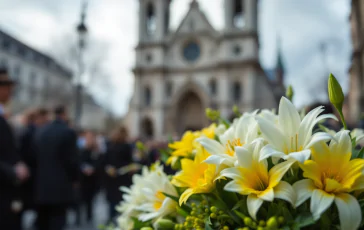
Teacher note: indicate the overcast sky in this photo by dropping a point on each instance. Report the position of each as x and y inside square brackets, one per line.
[302, 26]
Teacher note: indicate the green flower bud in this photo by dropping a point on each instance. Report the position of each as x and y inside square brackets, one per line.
[236, 110]
[262, 223]
[260, 228]
[213, 215]
[272, 222]
[336, 97]
[213, 209]
[281, 220]
[336, 94]
[289, 93]
[213, 115]
[225, 228]
[248, 221]
[164, 224]
[146, 228]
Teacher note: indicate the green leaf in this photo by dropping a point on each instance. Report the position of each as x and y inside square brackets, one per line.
[172, 197]
[230, 198]
[305, 219]
[139, 224]
[361, 153]
[239, 214]
[207, 226]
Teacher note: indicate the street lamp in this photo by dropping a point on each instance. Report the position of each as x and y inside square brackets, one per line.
[82, 34]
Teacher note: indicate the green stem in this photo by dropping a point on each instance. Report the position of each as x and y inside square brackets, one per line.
[342, 119]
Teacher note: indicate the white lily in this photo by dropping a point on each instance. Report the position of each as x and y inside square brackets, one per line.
[145, 199]
[331, 177]
[292, 137]
[244, 131]
[251, 177]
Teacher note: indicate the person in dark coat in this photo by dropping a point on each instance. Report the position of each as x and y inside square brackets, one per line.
[89, 163]
[57, 171]
[12, 171]
[34, 120]
[119, 154]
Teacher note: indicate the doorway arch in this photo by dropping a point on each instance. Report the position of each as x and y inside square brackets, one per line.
[190, 113]
[147, 128]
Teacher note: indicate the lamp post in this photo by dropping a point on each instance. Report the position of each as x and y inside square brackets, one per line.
[82, 33]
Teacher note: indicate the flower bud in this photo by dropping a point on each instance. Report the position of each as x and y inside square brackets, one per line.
[272, 223]
[281, 219]
[164, 224]
[289, 93]
[336, 94]
[248, 221]
[213, 115]
[236, 110]
[146, 228]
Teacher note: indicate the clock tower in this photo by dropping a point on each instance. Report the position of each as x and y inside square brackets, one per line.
[180, 73]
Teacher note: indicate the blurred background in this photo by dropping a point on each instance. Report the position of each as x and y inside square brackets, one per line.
[153, 66]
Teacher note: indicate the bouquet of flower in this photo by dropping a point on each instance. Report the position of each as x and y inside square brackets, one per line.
[262, 171]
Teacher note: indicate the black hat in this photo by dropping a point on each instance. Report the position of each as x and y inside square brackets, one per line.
[4, 78]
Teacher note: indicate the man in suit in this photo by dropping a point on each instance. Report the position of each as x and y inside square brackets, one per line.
[12, 171]
[56, 172]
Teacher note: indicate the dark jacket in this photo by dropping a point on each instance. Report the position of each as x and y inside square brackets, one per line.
[57, 164]
[9, 186]
[28, 154]
[118, 155]
[89, 184]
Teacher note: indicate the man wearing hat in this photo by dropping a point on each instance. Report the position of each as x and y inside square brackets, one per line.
[12, 171]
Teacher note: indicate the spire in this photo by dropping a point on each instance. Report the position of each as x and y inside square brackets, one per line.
[279, 65]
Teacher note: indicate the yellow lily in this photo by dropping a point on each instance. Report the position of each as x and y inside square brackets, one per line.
[196, 175]
[185, 147]
[331, 177]
[251, 177]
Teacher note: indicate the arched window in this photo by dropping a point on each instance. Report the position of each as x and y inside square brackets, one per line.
[238, 16]
[236, 92]
[151, 19]
[213, 87]
[147, 96]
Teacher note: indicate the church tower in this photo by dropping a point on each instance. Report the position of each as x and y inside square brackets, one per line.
[240, 55]
[180, 73]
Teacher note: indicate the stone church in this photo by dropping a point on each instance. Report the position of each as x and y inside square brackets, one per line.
[180, 73]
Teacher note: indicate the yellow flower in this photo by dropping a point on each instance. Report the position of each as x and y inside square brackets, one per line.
[331, 177]
[196, 175]
[251, 177]
[185, 147]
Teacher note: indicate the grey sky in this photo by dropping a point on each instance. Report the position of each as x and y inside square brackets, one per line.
[302, 26]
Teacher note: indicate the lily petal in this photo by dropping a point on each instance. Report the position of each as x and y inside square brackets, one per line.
[268, 151]
[285, 192]
[253, 203]
[306, 126]
[271, 133]
[212, 146]
[289, 119]
[267, 195]
[304, 189]
[320, 201]
[349, 211]
[277, 172]
[342, 144]
[244, 156]
[318, 137]
[301, 156]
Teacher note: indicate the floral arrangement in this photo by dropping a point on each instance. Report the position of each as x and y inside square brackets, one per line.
[265, 170]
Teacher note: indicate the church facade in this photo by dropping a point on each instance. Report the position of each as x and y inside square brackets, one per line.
[180, 73]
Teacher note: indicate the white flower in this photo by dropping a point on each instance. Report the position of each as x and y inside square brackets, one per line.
[292, 136]
[145, 198]
[157, 204]
[244, 131]
[220, 129]
[251, 177]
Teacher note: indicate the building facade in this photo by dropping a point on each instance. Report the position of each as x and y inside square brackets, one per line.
[41, 81]
[39, 77]
[356, 93]
[180, 73]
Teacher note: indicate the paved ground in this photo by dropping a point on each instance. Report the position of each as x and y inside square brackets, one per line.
[100, 215]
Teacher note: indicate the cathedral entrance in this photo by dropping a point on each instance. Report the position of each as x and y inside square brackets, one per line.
[147, 130]
[190, 113]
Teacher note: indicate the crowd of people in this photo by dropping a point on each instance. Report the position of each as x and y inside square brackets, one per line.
[49, 167]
